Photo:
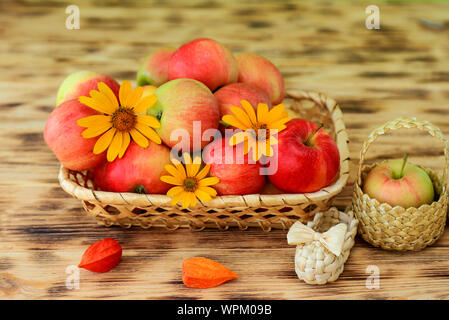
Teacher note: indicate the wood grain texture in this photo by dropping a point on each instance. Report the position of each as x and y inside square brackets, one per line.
[375, 75]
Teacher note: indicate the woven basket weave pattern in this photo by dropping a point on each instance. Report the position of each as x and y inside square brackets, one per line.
[255, 210]
[397, 228]
[316, 265]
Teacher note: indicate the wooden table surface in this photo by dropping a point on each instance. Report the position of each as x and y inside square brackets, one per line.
[376, 75]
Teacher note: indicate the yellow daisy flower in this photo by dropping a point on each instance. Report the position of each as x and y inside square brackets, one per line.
[121, 120]
[190, 182]
[258, 130]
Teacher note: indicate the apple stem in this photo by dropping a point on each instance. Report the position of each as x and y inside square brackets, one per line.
[310, 137]
[404, 162]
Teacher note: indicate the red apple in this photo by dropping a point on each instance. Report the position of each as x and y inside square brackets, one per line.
[237, 175]
[139, 170]
[80, 83]
[399, 183]
[205, 60]
[63, 135]
[99, 176]
[308, 158]
[154, 70]
[181, 103]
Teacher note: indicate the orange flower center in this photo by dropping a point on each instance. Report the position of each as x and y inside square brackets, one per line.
[190, 184]
[263, 126]
[124, 119]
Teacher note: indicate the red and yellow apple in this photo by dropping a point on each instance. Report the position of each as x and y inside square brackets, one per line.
[308, 158]
[261, 73]
[399, 183]
[237, 175]
[179, 104]
[231, 95]
[154, 70]
[63, 135]
[80, 83]
[205, 60]
[139, 170]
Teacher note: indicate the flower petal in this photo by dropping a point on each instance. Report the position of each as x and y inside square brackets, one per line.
[149, 121]
[249, 110]
[211, 191]
[103, 87]
[273, 141]
[180, 167]
[145, 103]
[174, 191]
[139, 138]
[174, 171]
[124, 92]
[195, 166]
[280, 124]
[90, 121]
[104, 141]
[179, 197]
[255, 152]
[115, 146]
[172, 180]
[233, 121]
[134, 97]
[187, 158]
[95, 131]
[202, 195]
[239, 137]
[242, 116]
[186, 201]
[208, 181]
[203, 173]
[125, 144]
[276, 113]
[103, 100]
[193, 199]
[262, 113]
[94, 104]
[148, 132]
[189, 200]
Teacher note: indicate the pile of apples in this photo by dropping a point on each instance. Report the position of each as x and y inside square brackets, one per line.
[198, 81]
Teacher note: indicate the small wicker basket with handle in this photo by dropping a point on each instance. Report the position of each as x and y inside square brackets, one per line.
[398, 228]
[254, 210]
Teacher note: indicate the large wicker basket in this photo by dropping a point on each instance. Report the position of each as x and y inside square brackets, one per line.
[254, 210]
[397, 228]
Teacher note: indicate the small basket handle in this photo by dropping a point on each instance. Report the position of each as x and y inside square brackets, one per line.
[405, 122]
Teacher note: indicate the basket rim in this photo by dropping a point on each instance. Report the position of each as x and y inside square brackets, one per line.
[249, 200]
[388, 207]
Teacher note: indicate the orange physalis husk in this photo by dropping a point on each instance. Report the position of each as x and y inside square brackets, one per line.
[205, 273]
[101, 256]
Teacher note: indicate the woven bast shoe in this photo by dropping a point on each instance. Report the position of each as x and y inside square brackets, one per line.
[323, 245]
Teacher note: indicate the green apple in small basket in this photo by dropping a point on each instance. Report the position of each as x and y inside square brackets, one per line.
[399, 183]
